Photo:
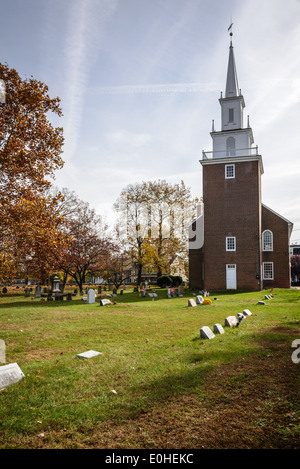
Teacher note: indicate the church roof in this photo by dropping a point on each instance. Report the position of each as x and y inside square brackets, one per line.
[232, 87]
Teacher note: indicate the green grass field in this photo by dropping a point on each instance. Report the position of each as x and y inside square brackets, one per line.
[156, 384]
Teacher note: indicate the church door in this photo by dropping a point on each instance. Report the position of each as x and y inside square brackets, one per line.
[231, 276]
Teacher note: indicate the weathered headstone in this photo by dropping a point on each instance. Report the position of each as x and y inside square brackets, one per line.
[230, 321]
[91, 296]
[191, 302]
[246, 312]
[261, 303]
[10, 374]
[105, 302]
[89, 354]
[55, 285]
[38, 292]
[218, 329]
[240, 318]
[206, 333]
[59, 296]
[27, 292]
[49, 297]
[199, 300]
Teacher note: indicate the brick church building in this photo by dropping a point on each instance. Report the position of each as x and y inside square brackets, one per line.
[236, 242]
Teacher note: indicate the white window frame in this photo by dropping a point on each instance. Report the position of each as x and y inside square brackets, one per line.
[231, 114]
[229, 171]
[267, 245]
[230, 243]
[268, 274]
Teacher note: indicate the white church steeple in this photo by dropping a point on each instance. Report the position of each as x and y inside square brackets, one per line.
[232, 87]
[234, 139]
[233, 103]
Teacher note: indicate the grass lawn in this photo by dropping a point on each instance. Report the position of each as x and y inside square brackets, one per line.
[157, 384]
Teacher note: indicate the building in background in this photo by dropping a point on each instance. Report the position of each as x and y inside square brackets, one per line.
[236, 242]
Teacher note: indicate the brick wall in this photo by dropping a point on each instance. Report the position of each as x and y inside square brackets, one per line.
[280, 254]
[232, 208]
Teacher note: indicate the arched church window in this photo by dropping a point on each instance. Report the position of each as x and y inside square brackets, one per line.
[267, 240]
[230, 146]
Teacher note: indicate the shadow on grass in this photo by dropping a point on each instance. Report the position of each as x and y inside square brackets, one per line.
[202, 364]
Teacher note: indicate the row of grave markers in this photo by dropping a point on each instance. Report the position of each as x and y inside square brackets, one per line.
[230, 321]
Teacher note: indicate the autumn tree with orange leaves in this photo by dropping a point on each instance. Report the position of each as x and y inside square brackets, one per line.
[30, 149]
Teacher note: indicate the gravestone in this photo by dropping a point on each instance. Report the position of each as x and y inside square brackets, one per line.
[230, 321]
[38, 292]
[105, 302]
[89, 354]
[69, 296]
[246, 312]
[199, 300]
[114, 292]
[169, 293]
[192, 303]
[180, 290]
[261, 303]
[91, 296]
[59, 296]
[10, 374]
[240, 318]
[27, 292]
[218, 329]
[99, 290]
[55, 285]
[206, 333]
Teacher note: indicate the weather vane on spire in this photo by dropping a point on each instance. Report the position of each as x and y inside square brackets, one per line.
[230, 28]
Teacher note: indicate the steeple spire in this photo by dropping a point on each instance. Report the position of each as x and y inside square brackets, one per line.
[232, 87]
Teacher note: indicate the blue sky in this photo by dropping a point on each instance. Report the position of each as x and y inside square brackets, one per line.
[139, 82]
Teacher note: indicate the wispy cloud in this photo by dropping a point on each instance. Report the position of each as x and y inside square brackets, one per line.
[158, 88]
[86, 25]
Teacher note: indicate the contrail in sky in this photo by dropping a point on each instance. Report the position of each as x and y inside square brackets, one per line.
[158, 88]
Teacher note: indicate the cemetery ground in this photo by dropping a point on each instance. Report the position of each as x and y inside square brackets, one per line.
[156, 384]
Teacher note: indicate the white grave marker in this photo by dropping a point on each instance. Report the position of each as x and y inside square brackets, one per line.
[192, 303]
[246, 312]
[10, 374]
[206, 333]
[230, 321]
[89, 354]
[218, 329]
[199, 300]
[105, 302]
[91, 296]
